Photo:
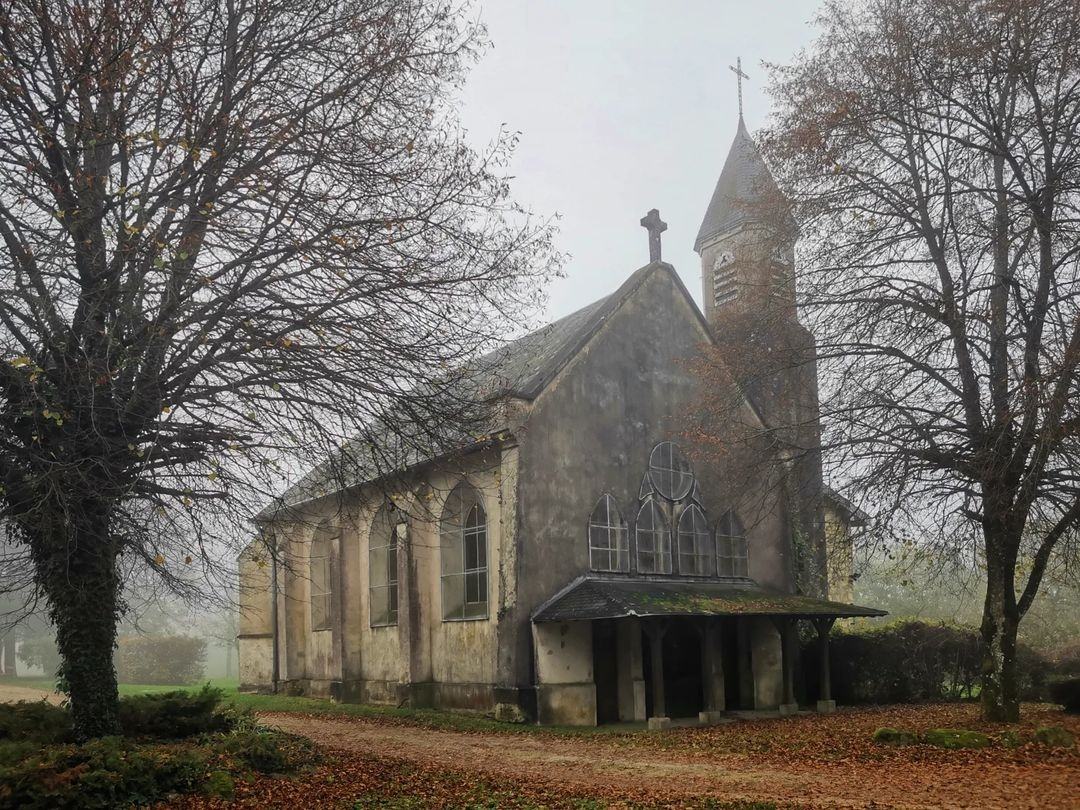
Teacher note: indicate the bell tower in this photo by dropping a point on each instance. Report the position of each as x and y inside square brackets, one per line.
[747, 239]
[747, 247]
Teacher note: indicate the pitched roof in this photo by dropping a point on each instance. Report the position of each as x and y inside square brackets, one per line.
[744, 181]
[593, 597]
[522, 368]
[856, 515]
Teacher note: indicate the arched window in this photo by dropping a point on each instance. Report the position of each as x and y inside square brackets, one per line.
[731, 539]
[653, 537]
[321, 576]
[609, 542]
[697, 554]
[670, 472]
[386, 530]
[463, 533]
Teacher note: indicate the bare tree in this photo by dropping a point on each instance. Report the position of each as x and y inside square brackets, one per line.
[932, 154]
[235, 233]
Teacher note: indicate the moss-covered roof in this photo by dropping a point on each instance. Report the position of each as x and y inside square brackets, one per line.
[613, 598]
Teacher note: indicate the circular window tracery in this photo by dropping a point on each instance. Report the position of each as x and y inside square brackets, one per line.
[670, 472]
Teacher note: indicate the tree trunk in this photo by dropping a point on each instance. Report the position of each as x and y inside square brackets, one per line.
[79, 574]
[1000, 693]
[10, 669]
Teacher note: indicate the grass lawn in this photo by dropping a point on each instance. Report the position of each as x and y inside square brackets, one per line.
[229, 685]
[426, 718]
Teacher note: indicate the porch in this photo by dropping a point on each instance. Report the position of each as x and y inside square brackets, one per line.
[634, 650]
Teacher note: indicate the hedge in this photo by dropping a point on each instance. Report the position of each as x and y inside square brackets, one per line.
[913, 662]
[160, 659]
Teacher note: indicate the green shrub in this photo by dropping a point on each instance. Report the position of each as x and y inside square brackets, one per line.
[1010, 739]
[1063, 662]
[38, 722]
[120, 772]
[1055, 737]
[955, 738]
[269, 751]
[174, 714]
[160, 659]
[895, 736]
[108, 772]
[1067, 693]
[220, 784]
[167, 715]
[12, 753]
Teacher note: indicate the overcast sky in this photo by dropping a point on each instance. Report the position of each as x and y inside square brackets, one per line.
[623, 106]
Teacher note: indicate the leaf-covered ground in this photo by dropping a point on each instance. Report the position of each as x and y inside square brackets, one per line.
[806, 761]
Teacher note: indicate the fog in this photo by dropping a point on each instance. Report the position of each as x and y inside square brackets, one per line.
[624, 106]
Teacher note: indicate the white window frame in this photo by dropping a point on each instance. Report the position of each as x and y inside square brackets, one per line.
[732, 551]
[388, 581]
[695, 543]
[321, 600]
[608, 537]
[659, 534]
[459, 530]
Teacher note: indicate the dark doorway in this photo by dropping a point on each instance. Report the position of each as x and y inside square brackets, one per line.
[646, 671]
[682, 670]
[605, 671]
[731, 652]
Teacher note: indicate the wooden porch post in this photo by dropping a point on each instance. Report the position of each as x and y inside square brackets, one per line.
[656, 629]
[712, 670]
[786, 626]
[825, 704]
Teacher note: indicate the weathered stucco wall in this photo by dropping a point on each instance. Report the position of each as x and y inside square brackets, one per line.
[422, 657]
[566, 694]
[255, 624]
[839, 554]
[256, 664]
[592, 429]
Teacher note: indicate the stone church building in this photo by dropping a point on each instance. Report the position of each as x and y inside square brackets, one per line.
[583, 564]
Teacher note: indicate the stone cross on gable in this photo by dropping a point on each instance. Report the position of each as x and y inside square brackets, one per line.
[655, 226]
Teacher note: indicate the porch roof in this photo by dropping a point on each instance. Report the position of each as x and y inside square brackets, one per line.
[592, 597]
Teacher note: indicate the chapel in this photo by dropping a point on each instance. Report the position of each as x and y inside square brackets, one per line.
[582, 563]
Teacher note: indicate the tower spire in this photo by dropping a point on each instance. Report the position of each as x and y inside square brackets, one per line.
[738, 71]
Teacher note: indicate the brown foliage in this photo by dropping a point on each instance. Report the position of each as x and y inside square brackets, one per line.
[931, 151]
[807, 761]
[232, 236]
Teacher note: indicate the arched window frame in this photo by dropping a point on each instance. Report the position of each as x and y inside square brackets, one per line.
[321, 578]
[652, 539]
[464, 556]
[732, 550]
[384, 538]
[609, 538]
[697, 551]
[670, 471]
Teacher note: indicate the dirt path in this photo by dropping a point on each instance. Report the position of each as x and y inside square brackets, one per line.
[608, 766]
[13, 694]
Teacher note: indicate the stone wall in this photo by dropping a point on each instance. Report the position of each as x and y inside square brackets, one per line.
[422, 659]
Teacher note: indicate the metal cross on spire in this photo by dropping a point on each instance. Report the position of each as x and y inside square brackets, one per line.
[738, 71]
[655, 226]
